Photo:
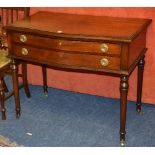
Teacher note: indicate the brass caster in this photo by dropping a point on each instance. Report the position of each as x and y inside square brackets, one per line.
[122, 143]
[46, 93]
[139, 110]
[29, 95]
[141, 113]
[18, 114]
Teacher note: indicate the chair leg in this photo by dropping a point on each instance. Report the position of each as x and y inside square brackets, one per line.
[3, 110]
[44, 72]
[25, 81]
[5, 86]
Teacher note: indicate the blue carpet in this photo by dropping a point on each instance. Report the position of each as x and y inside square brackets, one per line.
[72, 119]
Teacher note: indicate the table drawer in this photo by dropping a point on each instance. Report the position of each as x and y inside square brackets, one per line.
[68, 45]
[65, 58]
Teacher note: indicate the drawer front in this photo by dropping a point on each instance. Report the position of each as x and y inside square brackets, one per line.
[76, 60]
[67, 45]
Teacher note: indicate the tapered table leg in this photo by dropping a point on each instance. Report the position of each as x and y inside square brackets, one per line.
[25, 81]
[139, 83]
[15, 87]
[123, 107]
[45, 87]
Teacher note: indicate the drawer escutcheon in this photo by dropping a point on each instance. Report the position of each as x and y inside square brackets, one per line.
[104, 62]
[104, 48]
[23, 38]
[24, 51]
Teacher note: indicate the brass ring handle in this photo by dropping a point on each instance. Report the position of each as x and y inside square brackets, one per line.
[23, 38]
[24, 51]
[104, 62]
[104, 48]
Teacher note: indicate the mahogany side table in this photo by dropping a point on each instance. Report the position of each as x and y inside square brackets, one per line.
[82, 43]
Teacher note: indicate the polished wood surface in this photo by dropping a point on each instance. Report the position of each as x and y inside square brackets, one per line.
[68, 45]
[84, 26]
[82, 43]
[66, 59]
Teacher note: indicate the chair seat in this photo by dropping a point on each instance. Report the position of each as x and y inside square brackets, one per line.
[4, 60]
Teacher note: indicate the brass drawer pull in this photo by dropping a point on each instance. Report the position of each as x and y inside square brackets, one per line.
[24, 51]
[23, 38]
[104, 62]
[104, 48]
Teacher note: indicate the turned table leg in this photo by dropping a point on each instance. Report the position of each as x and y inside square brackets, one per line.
[15, 87]
[3, 110]
[139, 83]
[123, 107]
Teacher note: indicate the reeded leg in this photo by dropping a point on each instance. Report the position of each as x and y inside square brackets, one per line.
[25, 81]
[15, 87]
[44, 71]
[139, 83]
[123, 107]
[3, 110]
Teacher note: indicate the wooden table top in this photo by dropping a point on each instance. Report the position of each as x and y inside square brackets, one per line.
[82, 26]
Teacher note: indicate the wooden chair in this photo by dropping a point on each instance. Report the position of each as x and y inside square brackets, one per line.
[26, 14]
[9, 15]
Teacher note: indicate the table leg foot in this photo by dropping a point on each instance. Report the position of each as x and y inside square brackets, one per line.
[46, 93]
[138, 108]
[3, 115]
[122, 138]
[122, 143]
[18, 114]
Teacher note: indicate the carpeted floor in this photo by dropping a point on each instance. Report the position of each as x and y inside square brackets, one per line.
[72, 119]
